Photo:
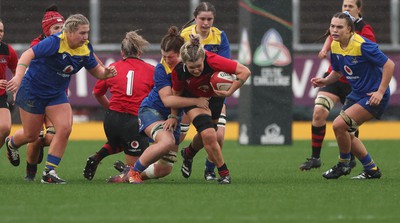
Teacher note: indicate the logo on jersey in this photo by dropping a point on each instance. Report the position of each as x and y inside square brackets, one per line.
[135, 144]
[348, 70]
[68, 69]
[3, 60]
[214, 49]
[204, 88]
[64, 55]
[354, 60]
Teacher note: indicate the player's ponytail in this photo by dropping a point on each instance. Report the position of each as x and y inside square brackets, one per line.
[186, 25]
[172, 40]
[133, 45]
[192, 50]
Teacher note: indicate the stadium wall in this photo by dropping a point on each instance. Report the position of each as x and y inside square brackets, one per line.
[379, 130]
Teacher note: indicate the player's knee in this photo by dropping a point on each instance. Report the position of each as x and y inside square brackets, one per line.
[162, 167]
[166, 142]
[324, 102]
[203, 122]
[5, 130]
[352, 125]
[209, 137]
[157, 128]
[320, 114]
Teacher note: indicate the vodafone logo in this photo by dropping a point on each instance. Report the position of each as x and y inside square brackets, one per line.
[68, 69]
[348, 70]
[135, 144]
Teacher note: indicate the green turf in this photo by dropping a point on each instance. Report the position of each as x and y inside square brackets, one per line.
[266, 187]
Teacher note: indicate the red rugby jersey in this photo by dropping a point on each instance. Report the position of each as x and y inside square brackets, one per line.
[200, 86]
[133, 82]
[8, 58]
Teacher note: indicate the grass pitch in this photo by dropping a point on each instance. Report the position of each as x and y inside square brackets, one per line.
[267, 186]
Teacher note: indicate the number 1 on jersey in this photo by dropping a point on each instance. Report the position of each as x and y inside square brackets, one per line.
[129, 83]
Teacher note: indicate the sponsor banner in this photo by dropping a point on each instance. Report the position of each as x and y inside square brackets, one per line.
[307, 66]
[265, 111]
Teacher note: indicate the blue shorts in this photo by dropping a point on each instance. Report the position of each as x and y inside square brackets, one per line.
[148, 116]
[376, 111]
[32, 103]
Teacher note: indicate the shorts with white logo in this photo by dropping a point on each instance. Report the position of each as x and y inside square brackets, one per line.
[122, 130]
[376, 111]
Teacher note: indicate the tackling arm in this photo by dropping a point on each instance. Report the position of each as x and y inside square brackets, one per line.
[22, 65]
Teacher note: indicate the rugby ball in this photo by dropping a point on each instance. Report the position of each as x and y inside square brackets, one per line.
[221, 80]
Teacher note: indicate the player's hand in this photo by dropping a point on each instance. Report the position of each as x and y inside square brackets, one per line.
[318, 82]
[322, 54]
[110, 72]
[3, 84]
[170, 124]
[376, 98]
[13, 84]
[202, 102]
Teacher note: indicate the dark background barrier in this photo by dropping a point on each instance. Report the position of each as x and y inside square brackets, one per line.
[265, 111]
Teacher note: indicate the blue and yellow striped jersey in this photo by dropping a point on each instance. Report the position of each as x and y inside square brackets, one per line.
[216, 42]
[50, 71]
[361, 62]
[162, 78]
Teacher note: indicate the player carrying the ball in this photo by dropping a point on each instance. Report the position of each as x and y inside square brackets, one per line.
[191, 78]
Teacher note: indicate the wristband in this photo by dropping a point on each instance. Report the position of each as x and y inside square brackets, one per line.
[23, 65]
[173, 116]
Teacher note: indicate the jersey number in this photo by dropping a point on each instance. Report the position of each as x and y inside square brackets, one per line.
[129, 83]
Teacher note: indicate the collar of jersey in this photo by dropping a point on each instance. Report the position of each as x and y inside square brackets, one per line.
[166, 67]
[64, 47]
[214, 37]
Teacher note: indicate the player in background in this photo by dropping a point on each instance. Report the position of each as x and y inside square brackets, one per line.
[216, 41]
[158, 121]
[41, 90]
[132, 84]
[191, 78]
[332, 94]
[9, 59]
[369, 72]
[52, 23]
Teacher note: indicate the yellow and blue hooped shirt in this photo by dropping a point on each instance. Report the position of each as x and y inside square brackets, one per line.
[50, 71]
[162, 78]
[361, 62]
[216, 42]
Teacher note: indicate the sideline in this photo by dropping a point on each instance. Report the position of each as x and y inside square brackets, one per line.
[300, 130]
